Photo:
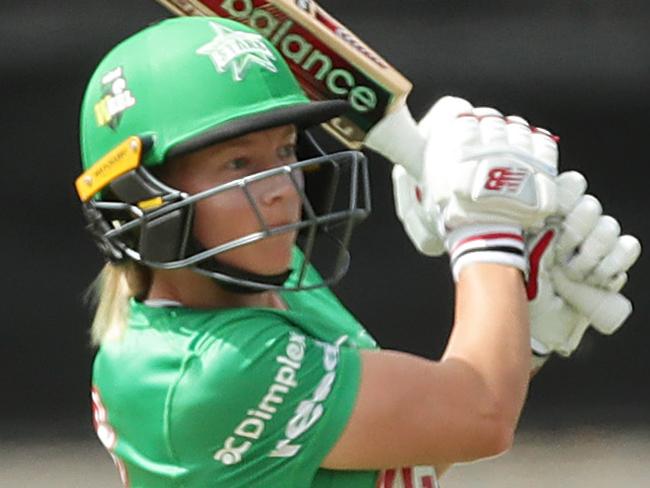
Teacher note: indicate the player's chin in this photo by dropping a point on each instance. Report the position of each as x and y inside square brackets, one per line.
[269, 256]
[274, 254]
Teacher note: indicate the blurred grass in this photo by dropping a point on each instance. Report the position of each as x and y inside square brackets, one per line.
[593, 457]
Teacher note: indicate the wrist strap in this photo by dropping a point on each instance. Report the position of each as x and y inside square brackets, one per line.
[486, 243]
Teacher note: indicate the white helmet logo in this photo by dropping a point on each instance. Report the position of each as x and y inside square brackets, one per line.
[237, 50]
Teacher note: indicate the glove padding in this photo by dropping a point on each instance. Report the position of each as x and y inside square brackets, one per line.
[421, 224]
[577, 281]
[483, 168]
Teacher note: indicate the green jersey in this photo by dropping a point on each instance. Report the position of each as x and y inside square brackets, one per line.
[250, 397]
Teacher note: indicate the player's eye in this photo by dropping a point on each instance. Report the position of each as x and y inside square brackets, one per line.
[238, 164]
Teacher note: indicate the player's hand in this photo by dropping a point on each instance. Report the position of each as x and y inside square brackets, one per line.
[487, 179]
[420, 224]
[578, 267]
[483, 168]
[480, 132]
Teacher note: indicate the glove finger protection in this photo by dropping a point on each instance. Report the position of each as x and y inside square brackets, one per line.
[617, 283]
[544, 146]
[555, 327]
[591, 297]
[518, 133]
[433, 122]
[491, 126]
[605, 310]
[600, 242]
[610, 272]
[571, 186]
[577, 225]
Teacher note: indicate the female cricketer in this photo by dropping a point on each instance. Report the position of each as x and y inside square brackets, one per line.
[224, 359]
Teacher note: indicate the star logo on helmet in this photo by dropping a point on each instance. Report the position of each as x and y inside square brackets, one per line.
[237, 50]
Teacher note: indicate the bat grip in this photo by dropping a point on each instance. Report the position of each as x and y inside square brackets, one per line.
[397, 138]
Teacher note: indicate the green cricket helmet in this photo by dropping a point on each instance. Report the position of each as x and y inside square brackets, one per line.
[181, 85]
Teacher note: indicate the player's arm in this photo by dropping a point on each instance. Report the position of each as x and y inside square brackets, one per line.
[441, 469]
[412, 411]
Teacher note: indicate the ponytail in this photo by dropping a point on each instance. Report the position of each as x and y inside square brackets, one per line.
[110, 293]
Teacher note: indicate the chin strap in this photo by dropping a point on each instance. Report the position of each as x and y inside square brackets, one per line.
[214, 266]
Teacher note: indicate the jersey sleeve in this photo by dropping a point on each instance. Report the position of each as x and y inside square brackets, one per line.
[264, 405]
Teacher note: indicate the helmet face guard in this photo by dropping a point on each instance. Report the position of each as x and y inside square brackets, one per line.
[142, 219]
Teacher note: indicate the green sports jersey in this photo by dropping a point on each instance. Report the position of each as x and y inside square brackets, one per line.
[248, 397]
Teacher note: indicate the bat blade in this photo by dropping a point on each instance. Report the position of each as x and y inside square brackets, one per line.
[328, 60]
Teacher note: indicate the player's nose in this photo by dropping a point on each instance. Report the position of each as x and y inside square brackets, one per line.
[283, 187]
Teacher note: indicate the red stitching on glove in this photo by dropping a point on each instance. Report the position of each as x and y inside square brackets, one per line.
[534, 260]
[533, 129]
[496, 235]
[539, 130]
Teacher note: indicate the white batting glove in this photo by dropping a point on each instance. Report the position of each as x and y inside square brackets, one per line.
[482, 167]
[421, 225]
[576, 283]
[488, 178]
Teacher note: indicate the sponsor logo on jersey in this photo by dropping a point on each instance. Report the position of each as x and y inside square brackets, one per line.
[116, 98]
[251, 428]
[237, 51]
[309, 411]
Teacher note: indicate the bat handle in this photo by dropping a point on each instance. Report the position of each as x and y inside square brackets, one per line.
[397, 138]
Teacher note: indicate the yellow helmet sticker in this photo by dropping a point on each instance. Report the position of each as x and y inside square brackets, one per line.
[121, 159]
[151, 203]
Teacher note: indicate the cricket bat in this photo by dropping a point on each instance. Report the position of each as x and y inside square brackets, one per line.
[330, 62]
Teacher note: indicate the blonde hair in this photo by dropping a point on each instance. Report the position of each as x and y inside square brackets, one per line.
[110, 293]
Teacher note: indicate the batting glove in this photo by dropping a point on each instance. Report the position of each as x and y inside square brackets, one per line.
[421, 225]
[487, 178]
[578, 267]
